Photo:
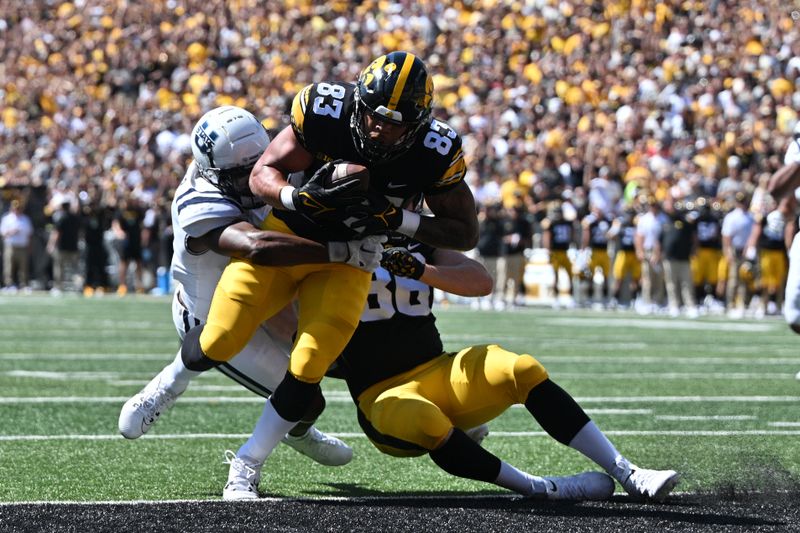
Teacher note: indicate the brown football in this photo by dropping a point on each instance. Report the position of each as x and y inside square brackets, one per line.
[346, 172]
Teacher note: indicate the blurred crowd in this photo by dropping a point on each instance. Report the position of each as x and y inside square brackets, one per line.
[568, 109]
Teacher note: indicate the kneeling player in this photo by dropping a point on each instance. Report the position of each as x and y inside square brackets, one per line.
[413, 398]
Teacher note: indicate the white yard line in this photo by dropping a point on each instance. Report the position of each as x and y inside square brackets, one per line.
[504, 434]
[706, 417]
[341, 396]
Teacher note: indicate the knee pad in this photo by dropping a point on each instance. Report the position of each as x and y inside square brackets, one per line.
[192, 354]
[293, 397]
[528, 373]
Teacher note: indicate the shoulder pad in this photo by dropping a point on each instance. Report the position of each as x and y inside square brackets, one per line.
[299, 106]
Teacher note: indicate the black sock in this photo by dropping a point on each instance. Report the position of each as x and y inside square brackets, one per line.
[556, 411]
[463, 457]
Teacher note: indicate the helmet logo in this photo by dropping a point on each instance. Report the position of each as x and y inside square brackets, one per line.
[205, 141]
[388, 113]
[391, 67]
[369, 74]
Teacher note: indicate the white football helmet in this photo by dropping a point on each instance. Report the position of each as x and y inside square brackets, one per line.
[226, 143]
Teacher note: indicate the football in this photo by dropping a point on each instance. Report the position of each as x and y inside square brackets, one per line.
[346, 172]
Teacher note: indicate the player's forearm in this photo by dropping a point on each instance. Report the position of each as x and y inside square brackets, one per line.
[784, 181]
[463, 280]
[449, 233]
[266, 182]
[267, 248]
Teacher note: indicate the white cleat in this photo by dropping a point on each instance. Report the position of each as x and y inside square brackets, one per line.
[584, 486]
[143, 410]
[322, 448]
[243, 479]
[478, 433]
[643, 483]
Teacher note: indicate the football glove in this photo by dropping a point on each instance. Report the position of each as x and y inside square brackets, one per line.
[375, 215]
[401, 262]
[364, 254]
[316, 201]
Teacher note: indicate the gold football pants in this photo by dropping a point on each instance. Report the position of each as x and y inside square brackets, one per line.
[413, 413]
[331, 298]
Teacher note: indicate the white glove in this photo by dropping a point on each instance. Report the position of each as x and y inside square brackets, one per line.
[364, 254]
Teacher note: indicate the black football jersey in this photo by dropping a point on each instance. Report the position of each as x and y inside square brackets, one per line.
[598, 231]
[561, 233]
[320, 117]
[397, 331]
[709, 232]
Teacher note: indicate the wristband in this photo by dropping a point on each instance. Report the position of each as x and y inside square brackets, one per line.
[286, 194]
[410, 223]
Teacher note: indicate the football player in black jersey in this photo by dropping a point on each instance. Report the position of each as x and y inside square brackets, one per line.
[414, 398]
[383, 121]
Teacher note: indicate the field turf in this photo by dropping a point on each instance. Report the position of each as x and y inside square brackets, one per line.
[712, 398]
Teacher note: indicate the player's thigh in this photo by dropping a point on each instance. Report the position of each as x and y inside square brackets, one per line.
[245, 296]
[483, 381]
[402, 422]
[331, 299]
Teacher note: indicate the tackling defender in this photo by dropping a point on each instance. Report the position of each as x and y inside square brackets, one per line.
[216, 217]
[786, 183]
[413, 398]
[383, 122]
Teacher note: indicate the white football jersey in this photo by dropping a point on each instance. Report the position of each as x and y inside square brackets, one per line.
[197, 208]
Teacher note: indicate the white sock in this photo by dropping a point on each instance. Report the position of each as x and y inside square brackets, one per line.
[269, 431]
[520, 482]
[592, 443]
[176, 377]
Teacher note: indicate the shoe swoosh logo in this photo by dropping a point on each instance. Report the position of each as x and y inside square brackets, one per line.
[391, 185]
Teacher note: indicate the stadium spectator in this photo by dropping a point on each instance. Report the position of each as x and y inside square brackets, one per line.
[129, 238]
[16, 230]
[517, 237]
[491, 249]
[677, 243]
[736, 228]
[641, 88]
[63, 247]
[648, 233]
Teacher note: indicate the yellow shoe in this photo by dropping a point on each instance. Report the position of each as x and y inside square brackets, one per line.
[122, 290]
[88, 291]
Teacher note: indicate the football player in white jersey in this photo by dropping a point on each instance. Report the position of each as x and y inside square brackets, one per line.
[786, 182]
[216, 218]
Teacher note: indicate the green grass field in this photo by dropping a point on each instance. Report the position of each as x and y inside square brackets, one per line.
[714, 399]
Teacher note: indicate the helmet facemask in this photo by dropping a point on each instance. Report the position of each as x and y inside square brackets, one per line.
[374, 150]
[235, 184]
[394, 89]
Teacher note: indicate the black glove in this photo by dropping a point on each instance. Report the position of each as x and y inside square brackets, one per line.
[316, 201]
[400, 262]
[375, 215]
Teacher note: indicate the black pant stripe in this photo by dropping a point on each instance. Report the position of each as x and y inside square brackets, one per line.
[239, 377]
